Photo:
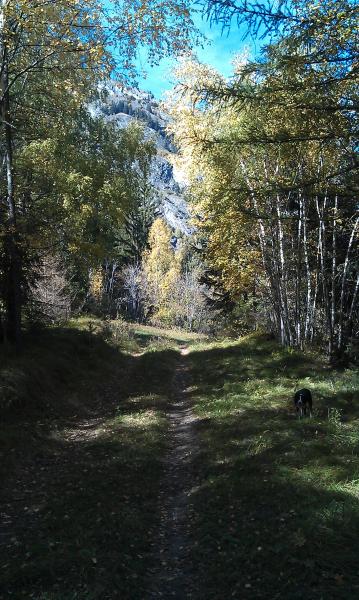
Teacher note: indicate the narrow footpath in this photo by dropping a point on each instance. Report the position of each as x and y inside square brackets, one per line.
[174, 577]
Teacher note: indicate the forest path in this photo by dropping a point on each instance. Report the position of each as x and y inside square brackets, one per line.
[98, 484]
[157, 475]
[173, 576]
[80, 483]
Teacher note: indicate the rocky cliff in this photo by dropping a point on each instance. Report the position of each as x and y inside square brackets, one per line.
[123, 105]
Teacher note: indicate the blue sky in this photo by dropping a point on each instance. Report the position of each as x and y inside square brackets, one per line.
[218, 52]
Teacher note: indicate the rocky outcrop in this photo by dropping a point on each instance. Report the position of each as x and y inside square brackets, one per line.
[122, 105]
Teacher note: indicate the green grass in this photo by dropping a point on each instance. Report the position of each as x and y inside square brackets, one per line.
[135, 338]
[276, 498]
[81, 448]
[176, 335]
[83, 434]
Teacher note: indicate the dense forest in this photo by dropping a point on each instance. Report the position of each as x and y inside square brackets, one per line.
[270, 159]
[72, 186]
[273, 162]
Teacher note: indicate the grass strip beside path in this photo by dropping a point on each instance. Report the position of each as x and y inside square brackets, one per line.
[277, 499]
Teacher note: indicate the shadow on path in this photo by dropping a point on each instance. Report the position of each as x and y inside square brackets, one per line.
[173, 576]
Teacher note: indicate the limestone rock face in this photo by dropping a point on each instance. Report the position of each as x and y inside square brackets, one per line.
[122, 105]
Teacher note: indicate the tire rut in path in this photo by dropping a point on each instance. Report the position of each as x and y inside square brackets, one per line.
[173, 577]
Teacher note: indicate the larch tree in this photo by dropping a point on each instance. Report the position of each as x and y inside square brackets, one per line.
[277, 194]
[162, 268]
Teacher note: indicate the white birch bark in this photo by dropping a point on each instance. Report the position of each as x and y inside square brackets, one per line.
[322, 255]
[13, 275]
[334, 268]
[309, 316]
[316, 283]
[262, 235]
[279, 268]
[283, 281]
[298, 327]
[353, 304]
[344, 276]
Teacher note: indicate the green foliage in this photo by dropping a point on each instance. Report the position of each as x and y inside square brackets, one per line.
[132, 237]
[86, 182]
[272, 161]
[74, 177]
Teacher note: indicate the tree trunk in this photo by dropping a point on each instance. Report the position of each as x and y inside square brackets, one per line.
[264, 241]
[283, 288]
[342, 292]
[353, 304]
[309, 315]
[11, 243]
[298, 316]
[334, 268]
[322, 254]
[316, 283]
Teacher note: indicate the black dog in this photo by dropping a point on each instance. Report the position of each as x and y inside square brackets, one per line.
[303, 401]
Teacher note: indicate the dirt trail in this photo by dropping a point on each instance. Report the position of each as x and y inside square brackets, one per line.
[174, 577]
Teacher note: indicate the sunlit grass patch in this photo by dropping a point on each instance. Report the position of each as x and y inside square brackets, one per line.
[177, 335]
[272, 481]
[259, 444]
[141, 419]
[352, 487]
[219, 405]
[317, 472]
[134, 337]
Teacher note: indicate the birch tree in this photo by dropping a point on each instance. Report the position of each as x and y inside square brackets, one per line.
[292, 202]
[52, 54]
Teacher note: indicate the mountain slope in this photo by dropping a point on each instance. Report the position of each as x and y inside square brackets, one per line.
[122, 105]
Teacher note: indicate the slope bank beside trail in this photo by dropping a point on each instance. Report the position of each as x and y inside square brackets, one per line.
[82, 466]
